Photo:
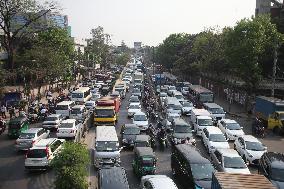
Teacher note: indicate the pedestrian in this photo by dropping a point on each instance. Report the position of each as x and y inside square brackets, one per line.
[3, 111]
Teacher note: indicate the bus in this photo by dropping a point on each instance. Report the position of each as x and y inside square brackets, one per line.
[199, 95]
[81, 95]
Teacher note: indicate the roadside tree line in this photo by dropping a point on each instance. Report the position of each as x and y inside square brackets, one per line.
[244, 52]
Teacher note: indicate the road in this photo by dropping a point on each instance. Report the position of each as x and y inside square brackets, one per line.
[13, 175]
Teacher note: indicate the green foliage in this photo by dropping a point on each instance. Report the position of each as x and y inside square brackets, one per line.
[122, 59]
[70, 167]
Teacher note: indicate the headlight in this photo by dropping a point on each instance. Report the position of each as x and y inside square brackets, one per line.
[249, 155]
[124, 140]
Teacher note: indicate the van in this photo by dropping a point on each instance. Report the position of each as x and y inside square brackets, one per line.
[79, 112]
[42, 153]
[112, 177]
[200, 118]
[171, 103]
[190, 168]
[106, 147]
[216, 111]
[64, 108]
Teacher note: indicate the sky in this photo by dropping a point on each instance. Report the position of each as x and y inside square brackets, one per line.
[151, 21]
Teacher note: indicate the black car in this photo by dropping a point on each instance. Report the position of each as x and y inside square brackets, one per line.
[112, 177]
[190, 168]
[271, 165]
[128, 134]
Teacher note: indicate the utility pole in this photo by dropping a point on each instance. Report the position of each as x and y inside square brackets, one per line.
[274, 70]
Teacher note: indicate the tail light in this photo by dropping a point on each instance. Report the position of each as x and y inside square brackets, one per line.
[27, 153]
[72, 131]
[33, 142]
[47, 152]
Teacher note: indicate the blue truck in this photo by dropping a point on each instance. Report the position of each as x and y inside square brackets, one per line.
[271, 111]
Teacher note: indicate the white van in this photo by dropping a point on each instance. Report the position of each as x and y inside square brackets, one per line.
[106, 149]
[200, 119]
[64, 108]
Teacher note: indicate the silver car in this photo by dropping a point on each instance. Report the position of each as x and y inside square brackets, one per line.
[29, 137]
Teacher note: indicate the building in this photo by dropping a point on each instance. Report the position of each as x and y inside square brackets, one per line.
[273, 7]
[137, 46]
[262, 7]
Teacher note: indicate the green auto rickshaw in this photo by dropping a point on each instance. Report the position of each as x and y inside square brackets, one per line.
[16, 126]
[144, 162]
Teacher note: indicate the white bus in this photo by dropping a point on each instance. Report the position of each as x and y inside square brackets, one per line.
[64, 108]
[81, 95]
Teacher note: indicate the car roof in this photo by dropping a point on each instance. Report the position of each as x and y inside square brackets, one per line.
[142, 138]
[212, 105]
[204, 117]
[114, 177]
[161, 181]
[54, 115]
[276, 159]
[229, 152]
[44, 142]
[191, 153]
[229, 120]
[78, 106]
[180, 121]
[213, 130]
[144, 151]
[69, 121]
[139, 113]
[32, 130]
[130, 125]
[249, 138]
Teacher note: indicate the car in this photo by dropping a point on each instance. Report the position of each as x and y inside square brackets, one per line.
[134, 99]
[213, 138]
[249, 148]
[95, 96]
[90, 105]
[136, 92]
[28, 138]
[229, 161]
[167, 122]
[128, 134]
[170, 90]
[184, 90]
[112, 177]
[181, 131]
[40, 156]
[157, 182]
[127, 79]
[186, 107]
[230, 128]
[271, 165]
[162, 96]
[133, 108]
[141, 120]
[52, 121]
[69, 128]
[190, 168]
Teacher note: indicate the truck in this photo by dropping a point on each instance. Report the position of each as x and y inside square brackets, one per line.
[222, 180]
[271, 111]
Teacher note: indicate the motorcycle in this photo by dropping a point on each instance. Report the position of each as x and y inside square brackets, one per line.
[162, 138]
[2, 126]
[258, 129]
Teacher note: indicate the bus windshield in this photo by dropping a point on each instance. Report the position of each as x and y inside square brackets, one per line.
[206, 97]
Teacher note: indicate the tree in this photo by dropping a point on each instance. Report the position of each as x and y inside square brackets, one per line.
[70, 167]
[29, 10]
[122, 59]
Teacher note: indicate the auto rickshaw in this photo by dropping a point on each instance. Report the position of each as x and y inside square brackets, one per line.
[144, 162]
[142, 141]
[17, 125]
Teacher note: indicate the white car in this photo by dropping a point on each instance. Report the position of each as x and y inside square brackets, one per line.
[127, 79]
[230, 128]
[133, 108]
[157, 182]
[213, 139]
[141, 120]
[52, 121]
[229, 161]
[184, 90]
[163, 96]
[68, 128]
[90, 105]
[249, 148]
[186, 107]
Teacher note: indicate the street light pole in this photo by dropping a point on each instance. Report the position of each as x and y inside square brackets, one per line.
[274, 70]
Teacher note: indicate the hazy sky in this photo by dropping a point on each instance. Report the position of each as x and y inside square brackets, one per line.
[151, 21]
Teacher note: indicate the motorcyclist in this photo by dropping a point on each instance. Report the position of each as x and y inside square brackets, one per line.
[2, 125]
[187, 141]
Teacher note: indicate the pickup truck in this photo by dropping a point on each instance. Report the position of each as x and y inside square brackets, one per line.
[271, 111]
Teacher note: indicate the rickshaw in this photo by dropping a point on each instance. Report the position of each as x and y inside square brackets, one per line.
[17, 125]
[144, 162]
[142, 141]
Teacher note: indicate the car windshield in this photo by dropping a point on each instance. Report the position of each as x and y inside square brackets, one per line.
[187, 104]
[172, 88]
[148, 162]
[202, 171]
[140, 118]
[132, 131]
[66, 125]
[36, 153]
[233, 126]
[176, 107]
[205, 122]
[171, 117]
[136, 91]
[76, 111]
[134, 107]
[62, 107]
[89, 104]
[51, 118]
[134, 99]
[217, 138]
[182, 129]
[27, 135]
[106, 146]
[185, 88]
[217, 111]
[277, 174]
[77, 95]
[163, 94]
[254, 146]
[207, 97]
[234, 162]
[179, 97]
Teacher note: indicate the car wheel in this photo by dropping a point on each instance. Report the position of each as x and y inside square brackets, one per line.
[226, 136]
[244, 158]
[235, 147]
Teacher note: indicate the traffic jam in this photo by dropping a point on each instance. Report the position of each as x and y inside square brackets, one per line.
[144, 126]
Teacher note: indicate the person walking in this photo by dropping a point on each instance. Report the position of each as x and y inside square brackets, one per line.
[3, 111]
